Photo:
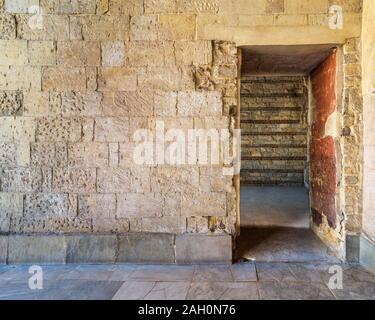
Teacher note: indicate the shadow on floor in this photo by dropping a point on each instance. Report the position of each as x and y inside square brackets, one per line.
[280, 244]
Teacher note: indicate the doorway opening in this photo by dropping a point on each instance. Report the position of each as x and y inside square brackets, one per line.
[285, 107]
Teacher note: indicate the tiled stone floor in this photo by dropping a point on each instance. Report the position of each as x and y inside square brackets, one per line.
[243, 281]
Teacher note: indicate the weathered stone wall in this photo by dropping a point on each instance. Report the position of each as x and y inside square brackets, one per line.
[78, 80]
[274, 130]
[368, 67]
[73, 94]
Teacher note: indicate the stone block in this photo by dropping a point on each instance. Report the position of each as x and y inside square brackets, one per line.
[3, 249]
[88, 155]
[274, 6]
[165, 104]
[36, 249]
[58, 130]
[99, 28]
[51, 225]
[166, 180]
[300, 6]
[13, 53]
[353, 248]
[117, 79]
[11, 103]
[144, 28]
[69, 7]
[146, 248]
[139, 205]
[112, 129]
[110, 225]
[193, 52]
[78, 53]
[21, 180]
[91, 249]
[160, 78]
[150, 53]
[100, 206]
[81, 104]
[78, 181]
[20, 6]
[367, 254]
[64, 79]
[7, 26]
[124, 180]
[39, 104]
[169, 225]
[8, 154]
[129, 7]
[47, 28]
[20, 78]
[42, 53]
[203, 248]
[134, 103]
[177, 27]
[113, 54]
[11, 207]
[49, 154]
[203, 204]
[41, 205]
[213, 180]
[196, 103]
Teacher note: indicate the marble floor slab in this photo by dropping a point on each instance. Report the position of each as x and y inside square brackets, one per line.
[242, 281]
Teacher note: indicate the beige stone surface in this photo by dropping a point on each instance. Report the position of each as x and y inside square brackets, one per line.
[78, 81]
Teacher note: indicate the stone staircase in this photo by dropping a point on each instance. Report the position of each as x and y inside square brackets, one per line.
[274, 130]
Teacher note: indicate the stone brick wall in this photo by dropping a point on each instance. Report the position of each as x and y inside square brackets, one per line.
[274, 130]
[72, 95]
[78, 80]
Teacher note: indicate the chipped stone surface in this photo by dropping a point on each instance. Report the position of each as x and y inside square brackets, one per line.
[113, 54]
[98, 206]
[58, 130]
[46, 205]
[21, 180]
[139, 205]
[49, 154]
[74, 180]
[8, 154]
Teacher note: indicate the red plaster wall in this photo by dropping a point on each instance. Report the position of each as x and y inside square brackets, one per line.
[322, 148]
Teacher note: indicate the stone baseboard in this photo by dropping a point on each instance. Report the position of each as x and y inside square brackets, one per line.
[367, 254]
[127, 248]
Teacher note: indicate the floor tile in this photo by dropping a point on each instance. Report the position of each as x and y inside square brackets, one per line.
[223, 291]
[244, 272]
[134, 290]
[275, 272]
[163, 273]
[207, 273]
[63, 290]
[169, 291]
[288, 290]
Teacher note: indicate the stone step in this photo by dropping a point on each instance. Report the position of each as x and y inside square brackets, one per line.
[262, 139]
[272, 115]
[276, 152]
[274, 164]
[269, 102]
[271, 127]
[273, 79]
[272, 183]
[271, 89]
[296, 176]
